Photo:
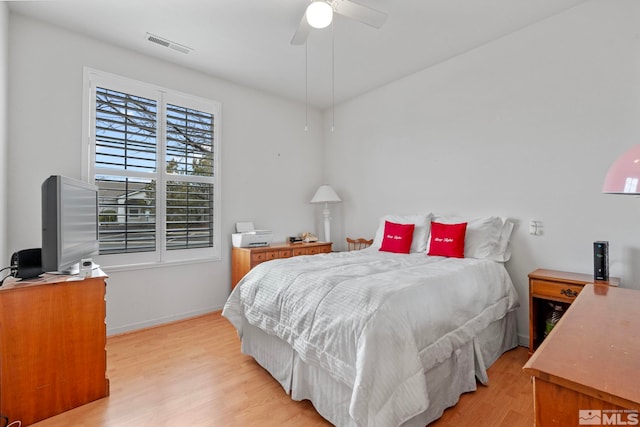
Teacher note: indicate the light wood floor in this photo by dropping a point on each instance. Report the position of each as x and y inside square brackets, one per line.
[191, 373]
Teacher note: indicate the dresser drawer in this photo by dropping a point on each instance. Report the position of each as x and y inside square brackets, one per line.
[554, 290]
[285, 253]
[324, 249]
[259, 257]
[299, 251]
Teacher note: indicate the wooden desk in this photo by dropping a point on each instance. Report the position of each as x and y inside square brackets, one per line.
[590, 361]
[52, 346]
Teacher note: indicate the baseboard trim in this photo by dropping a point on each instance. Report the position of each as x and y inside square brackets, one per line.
[523, 340]
[149, 324]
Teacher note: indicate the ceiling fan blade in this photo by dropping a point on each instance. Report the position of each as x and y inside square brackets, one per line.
[360, 13]
[301, 34]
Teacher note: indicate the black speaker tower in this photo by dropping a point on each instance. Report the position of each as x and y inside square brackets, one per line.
[601, 260]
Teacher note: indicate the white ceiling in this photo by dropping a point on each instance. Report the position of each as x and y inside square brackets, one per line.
[248, 41]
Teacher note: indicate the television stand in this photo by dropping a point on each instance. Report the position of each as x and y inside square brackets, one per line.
[52, 345]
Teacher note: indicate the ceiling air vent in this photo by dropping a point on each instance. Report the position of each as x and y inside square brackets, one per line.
[168, 43]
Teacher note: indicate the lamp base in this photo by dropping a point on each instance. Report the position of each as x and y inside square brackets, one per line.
[327, 222]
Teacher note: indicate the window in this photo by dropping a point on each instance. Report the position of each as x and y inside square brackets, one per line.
[153, 153]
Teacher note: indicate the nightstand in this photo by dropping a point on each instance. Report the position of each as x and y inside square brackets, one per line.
[244, 259]
[561, 287]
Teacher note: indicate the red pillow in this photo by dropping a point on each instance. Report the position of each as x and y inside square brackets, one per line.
[447, 239]
[397, 237]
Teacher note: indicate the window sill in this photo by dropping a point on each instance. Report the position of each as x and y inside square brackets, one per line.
[153, 265]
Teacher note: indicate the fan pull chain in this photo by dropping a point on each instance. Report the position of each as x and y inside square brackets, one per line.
[306, 89]
[333, 80]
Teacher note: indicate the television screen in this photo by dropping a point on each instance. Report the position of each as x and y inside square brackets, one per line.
[69, 223]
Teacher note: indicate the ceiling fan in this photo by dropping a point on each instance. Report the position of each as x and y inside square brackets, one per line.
[320, 13]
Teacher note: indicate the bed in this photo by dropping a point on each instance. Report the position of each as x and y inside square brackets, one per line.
[381, 338]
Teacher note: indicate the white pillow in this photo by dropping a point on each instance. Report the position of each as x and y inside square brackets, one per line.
[420, 232]
[486, 237]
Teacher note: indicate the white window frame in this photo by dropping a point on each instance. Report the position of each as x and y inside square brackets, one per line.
[95, 78]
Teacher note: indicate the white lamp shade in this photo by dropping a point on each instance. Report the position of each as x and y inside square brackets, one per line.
[623, 176]
[319, 14]
[325, 194]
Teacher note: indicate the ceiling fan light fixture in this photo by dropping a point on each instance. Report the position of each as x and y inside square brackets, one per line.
[319, 14]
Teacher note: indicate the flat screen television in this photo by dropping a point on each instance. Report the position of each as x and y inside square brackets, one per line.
[69, 223]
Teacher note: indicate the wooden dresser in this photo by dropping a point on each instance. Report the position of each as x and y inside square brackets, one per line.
[52, 346]
[553, 286]
[588, 367]
[244, 259]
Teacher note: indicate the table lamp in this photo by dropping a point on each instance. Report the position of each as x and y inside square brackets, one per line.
[325, 194]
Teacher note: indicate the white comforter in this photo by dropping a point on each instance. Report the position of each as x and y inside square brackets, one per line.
[376, 321]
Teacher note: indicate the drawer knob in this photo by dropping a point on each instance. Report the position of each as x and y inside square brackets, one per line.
[569, 292]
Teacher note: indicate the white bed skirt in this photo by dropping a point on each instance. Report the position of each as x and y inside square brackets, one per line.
[446, 381]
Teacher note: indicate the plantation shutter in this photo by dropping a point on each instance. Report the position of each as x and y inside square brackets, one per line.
[155, 168]
[125, 163]
[189, 187]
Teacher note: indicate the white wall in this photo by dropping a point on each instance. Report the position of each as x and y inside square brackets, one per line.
[266, 173]
[524, 127]
[4, 60]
